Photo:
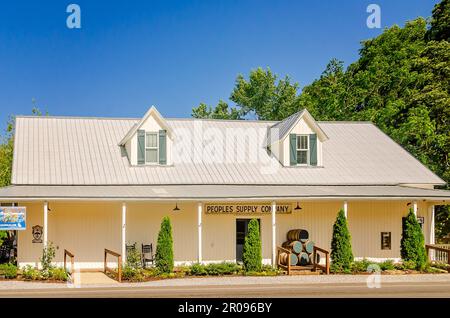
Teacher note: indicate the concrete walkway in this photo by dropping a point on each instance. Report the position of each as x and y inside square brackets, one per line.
[99, 280]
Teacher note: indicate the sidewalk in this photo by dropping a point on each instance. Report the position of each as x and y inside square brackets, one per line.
[230, 281]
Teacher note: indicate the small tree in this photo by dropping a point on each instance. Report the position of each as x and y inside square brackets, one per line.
[412, 244]
[252, 255]
[164, 247]
[341, 246]
[48, 254]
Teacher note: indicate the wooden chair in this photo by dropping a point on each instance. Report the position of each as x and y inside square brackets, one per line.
[147, 255]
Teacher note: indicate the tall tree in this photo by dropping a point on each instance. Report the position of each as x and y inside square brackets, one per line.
[440, 22]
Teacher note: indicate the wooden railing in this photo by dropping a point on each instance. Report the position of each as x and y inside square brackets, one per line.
[281, 265]
[119, 264]
[441, 253]
[72, 262]
[316, 265]
[288, 267]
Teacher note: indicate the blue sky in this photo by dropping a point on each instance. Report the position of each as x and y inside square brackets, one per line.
[129, 55]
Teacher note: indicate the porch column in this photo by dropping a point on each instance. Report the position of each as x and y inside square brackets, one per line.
[415, 208]
[432, 234]
[124, 232]
[45, 223]
[274, 232]
[199, 229]
[346, 209]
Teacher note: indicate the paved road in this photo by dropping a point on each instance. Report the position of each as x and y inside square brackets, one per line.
[404, 289]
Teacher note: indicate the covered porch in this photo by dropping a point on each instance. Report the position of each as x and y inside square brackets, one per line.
[87, 219]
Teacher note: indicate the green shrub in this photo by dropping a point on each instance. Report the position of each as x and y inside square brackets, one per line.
[405, 265]
[387, 265]
[341, 246]
[8, 270]
[360, 266]
[31, 273]
[164, 247]
[412, 244]
[58, 273]
[134, 258]
[252, 255]
[48, 254]
[132, 274]
[214, 269]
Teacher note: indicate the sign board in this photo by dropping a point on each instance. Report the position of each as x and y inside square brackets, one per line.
[246, 208]
[13, 218]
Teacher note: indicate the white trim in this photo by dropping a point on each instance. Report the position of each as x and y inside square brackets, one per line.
[45, 241]
[346, 209]
[124, 232]
[432, 224]
[199, 229]
[415, 208]
[274, 231]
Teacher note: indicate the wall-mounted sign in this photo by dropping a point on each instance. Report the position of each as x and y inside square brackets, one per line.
[13, 218]
[37, 233]
[246, 208]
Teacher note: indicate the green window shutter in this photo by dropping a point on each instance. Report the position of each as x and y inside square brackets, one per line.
[141, 147]
[313, 150]
[162, 147]
[293, 149]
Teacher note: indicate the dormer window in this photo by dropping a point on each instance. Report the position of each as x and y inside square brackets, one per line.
[302, 149]
[151, 147]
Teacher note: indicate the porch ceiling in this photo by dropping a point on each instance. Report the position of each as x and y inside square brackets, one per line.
[217, 192]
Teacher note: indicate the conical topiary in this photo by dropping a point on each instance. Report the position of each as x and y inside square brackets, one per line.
[341, 246]
[164, 247]
[412, 243]
[252, 255]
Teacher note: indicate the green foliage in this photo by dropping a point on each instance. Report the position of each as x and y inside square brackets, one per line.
[387, 265]
[58, 273]
[412, 243]
[213, 269]
[132, 274]
[341, 247]
[440, 22]
[31, 273]
[8, 270]
[360, 266]
[164, 248]
[252, 255]
[48, 254]
[134, 258]
[221, 111]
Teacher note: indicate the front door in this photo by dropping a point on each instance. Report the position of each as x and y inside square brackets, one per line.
[241, 233]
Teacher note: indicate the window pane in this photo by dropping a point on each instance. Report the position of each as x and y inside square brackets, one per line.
[151, 155]
[302, 156]
[151, 140]
[302, 142]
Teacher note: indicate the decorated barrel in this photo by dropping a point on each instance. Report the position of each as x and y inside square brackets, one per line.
[311, 260]
[284, 259]
[303, 259]
[308, 246]
[294, 246]
[298, 235]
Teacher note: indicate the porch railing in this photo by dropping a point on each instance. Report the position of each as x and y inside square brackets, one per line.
[441, 253]
[316, 265]
[119, 264]
[72, 266]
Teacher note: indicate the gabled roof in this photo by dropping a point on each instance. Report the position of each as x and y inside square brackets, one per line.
[281, 129]
[152, 111]
[83, 151]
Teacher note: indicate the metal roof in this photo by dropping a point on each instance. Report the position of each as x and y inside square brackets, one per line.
[85, 151]
[218, 192]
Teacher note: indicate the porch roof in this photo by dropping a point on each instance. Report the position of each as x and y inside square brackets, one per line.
[218, 192]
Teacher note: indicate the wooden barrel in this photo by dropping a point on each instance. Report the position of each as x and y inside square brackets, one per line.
[303, 259]
[294, 246]
[317, 258]
[308, 246]
[298, 235]
[284, 259]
